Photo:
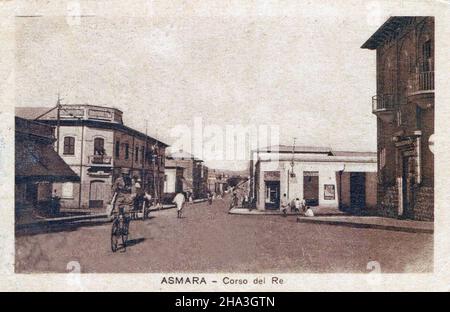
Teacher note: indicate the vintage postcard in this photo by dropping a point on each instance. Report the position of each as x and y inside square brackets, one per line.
[224, 145]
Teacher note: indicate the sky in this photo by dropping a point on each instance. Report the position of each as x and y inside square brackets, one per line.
[293, 65]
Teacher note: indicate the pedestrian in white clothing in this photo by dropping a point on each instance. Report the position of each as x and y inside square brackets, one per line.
[297, 205]
[179, 200]
[309, 212]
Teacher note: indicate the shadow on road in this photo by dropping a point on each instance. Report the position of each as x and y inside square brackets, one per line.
[35, 229]
[64, 226]
[135, 241]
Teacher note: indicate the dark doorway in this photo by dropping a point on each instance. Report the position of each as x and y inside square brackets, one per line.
[272, 200]
[407, 174]
[357, 190]
[311, 187]
[97, 193]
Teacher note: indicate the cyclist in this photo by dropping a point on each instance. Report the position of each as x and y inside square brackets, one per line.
[123, 198]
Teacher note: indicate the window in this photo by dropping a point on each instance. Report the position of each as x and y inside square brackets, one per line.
[142, 154]
[69, 146]
[127, 150]
[118, 149]
[426, 53]
[418, 118]
[382, 158]
[136, 153]
[411, 64]
[99, 146]
[67, 190]
[399, 118]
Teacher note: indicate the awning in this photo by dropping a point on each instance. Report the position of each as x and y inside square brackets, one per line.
[39, 162]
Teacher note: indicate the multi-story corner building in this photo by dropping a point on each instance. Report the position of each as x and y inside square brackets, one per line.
[195, 173]
[96, 144]
[404, 105]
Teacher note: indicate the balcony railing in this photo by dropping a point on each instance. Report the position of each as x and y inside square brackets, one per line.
[422, 82]
[100, 160]
[382, 103]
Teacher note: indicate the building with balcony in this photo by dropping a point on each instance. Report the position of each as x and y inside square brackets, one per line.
[326, 178]
[404, 106]
[195, 172]
[96, 144]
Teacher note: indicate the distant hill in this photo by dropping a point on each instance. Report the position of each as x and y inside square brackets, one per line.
[230, 173]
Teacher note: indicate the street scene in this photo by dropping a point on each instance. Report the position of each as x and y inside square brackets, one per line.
[208, 239]
[224, 144]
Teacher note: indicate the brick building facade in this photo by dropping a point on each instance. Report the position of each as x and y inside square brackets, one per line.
[404, 106]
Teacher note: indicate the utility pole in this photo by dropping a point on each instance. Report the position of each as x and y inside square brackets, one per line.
[144, 158]
[291, 173]
[58, 117]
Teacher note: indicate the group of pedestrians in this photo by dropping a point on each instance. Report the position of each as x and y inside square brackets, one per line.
[298, 206]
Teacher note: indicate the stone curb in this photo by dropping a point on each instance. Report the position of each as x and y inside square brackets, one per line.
[83, 220]
[366, 225]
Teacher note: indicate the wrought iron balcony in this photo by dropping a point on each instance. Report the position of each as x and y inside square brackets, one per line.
[100, 160]
[382, 103]
[422, 82]
[384, 107]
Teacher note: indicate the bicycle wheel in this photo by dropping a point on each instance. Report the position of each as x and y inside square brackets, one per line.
[114, 236]
[124, 233]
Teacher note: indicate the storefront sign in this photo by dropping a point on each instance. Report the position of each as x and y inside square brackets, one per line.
[310, 173]
[271, 175]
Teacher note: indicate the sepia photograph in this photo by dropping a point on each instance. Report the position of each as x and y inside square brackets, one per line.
[247, 137]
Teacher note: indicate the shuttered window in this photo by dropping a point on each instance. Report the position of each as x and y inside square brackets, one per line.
[69, 146]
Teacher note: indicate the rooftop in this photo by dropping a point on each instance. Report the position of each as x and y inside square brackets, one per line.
[72, 111]
[73, 114]
[387, 29]
[286, 149]
[181, 154]
[297, 149]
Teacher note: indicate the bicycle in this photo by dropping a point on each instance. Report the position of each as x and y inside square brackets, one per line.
[120, 230]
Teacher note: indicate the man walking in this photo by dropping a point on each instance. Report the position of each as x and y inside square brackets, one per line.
[284, 205]
[179, 200]
[297, 205]
[209, 196]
